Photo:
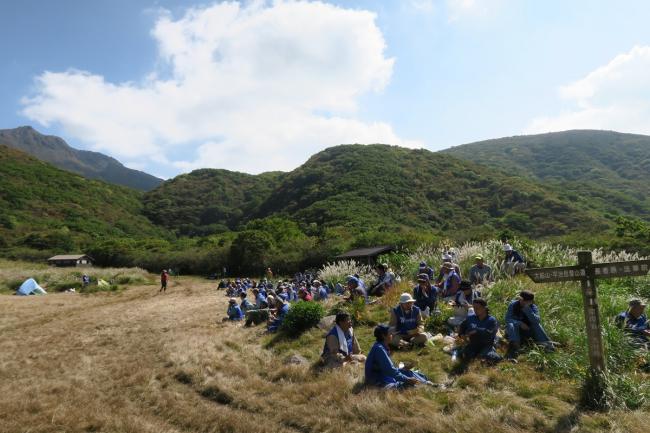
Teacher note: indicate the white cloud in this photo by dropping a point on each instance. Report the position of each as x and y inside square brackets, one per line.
[460, 9]
[249, 88]
[423, 6]
[615, 96]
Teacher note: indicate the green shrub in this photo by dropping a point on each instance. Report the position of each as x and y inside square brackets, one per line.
[437, 323]
[302, 316]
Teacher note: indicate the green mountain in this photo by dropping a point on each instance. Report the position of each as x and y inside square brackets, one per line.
[45, 208]
[371, 187]
[604, 171]
[208, 200]
[92, 165]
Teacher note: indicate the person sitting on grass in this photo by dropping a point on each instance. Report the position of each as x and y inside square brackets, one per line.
[305, 295]
[480, 273]
[341, 346]
[450, 281]
[426, 296]
[355, 290]
[321, 290]
[424, 269]
[463, 304]
[635, 323]
[524, 322]
[381, 371]
[480, 331]
[245, 304]
[513, 263]
[234, 312]
[385, 280]
[406, 323]
[276, 317]
[260, 299]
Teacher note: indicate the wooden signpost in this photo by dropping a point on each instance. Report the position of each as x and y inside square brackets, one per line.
[586, 272]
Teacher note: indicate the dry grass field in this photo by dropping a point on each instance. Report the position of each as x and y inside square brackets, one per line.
[140, 361]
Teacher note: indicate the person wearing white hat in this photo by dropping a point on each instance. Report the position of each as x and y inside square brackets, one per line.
[513, 262]
[406, 323]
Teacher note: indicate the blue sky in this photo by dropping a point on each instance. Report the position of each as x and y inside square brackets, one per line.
[169, 86]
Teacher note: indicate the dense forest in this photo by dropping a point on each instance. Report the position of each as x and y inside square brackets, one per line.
[583, 188]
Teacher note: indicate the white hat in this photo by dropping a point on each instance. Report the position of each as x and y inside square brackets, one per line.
[507, 247]
[405, 298]
[447, 256]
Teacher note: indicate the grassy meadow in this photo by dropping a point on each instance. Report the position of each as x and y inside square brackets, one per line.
[139, 361]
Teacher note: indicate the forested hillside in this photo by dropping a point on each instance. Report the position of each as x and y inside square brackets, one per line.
[46, 209]
[603, 170]
[370, 187]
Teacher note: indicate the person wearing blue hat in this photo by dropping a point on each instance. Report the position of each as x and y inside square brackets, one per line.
[426, 295]
[355, 289]
[424, 269]
[381, 371]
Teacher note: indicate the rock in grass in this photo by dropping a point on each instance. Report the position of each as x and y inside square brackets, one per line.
[296, 360]
[326, 322]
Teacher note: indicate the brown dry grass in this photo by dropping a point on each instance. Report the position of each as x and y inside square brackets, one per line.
[138, 361]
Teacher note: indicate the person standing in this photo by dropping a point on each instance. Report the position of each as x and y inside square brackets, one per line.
[164, 278]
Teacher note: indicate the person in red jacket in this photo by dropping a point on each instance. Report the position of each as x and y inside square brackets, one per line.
[164, 277]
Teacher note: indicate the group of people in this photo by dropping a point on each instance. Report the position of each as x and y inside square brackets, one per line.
[269, 303]
[475, 330]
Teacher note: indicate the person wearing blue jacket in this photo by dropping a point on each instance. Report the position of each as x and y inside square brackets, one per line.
[426, 295]
[635, 323]
[381, 371]
[406, 323]
[234, 312]
[276, 318]
[481, 331]
[523, 322]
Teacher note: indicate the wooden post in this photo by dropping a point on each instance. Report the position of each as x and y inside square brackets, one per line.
[592, 314]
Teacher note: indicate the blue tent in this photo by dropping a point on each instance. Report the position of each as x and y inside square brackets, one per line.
[30, 287]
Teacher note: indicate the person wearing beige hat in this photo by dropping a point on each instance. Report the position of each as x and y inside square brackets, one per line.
[480, 273]
[635, 323]
[406, 323]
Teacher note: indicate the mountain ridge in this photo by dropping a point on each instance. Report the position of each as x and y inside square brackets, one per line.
[93, 165]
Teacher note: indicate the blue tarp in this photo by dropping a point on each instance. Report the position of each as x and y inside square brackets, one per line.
[30, 286]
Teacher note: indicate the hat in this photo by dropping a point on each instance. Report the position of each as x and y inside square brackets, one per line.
[315, 283]
[465, 285]
[446, 257]
[527, 295]
[352, 279]
[423, 264]
[507, 247]
[637, 303]
[423, 277]
[232, 300]
[405, 298]
[478, 257]
[383, 266]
